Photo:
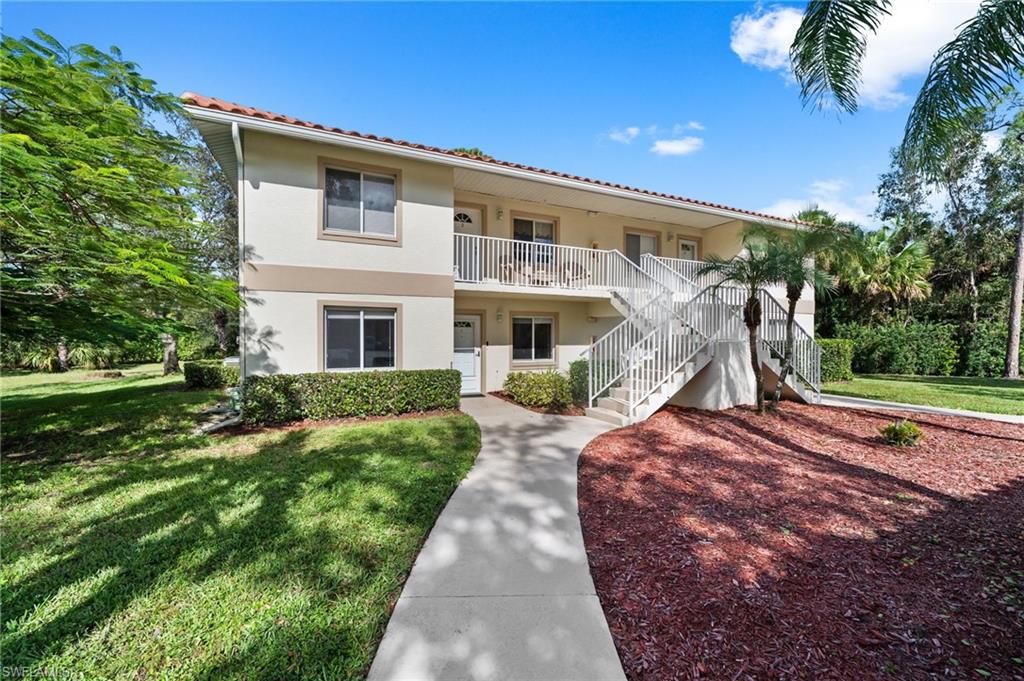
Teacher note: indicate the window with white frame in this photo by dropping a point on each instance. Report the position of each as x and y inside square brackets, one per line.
[358, 338]
[533, 339]
[359, 202]
[530, 229]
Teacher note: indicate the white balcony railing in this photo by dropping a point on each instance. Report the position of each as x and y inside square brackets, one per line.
[508, 262]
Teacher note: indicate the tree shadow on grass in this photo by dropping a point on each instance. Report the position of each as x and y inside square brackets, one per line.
[721, 542]
[328, 517]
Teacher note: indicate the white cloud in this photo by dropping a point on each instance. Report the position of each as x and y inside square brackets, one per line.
[677, 147]
[904, 46]
[828, 195]
[763, 37]
[624, 136]
[680, 128]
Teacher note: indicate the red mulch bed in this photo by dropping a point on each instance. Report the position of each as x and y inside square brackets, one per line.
[571, 410]
[728, 545]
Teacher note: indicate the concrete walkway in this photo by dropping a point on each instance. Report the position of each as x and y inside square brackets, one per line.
[862, 403]
[502, 587]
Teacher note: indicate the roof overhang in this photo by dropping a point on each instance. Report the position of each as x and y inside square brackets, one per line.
[478, 175]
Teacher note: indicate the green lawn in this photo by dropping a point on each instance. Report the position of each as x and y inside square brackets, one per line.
[994, 395]
[132, 549]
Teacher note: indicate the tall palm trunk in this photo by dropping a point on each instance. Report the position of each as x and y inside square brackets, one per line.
[787, 362]
[1016, 302]
[752, 318]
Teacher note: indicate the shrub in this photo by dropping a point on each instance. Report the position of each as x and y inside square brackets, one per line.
[93, 356]
[280, 398]
[901, 433]
[985, 349]
[210, 375]
[194, 345]
[543, 389]
[915, 348]
[836, 359]
[579, 381]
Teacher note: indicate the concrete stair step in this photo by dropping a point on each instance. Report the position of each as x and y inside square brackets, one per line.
[607, 415]
[614, 404]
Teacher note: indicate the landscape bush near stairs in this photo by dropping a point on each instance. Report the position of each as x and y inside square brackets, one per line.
[539, 389]
[281, 398]
[579, 382]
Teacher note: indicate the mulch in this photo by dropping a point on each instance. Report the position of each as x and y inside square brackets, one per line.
[571, 410]
[727, 545]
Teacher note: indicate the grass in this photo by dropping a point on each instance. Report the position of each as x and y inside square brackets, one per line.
[993, 395]
[133, 549]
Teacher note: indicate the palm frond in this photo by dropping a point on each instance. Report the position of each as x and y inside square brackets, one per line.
[829, 47]
[986, 56]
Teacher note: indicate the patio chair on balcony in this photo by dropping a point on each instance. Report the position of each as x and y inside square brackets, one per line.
[574, 275]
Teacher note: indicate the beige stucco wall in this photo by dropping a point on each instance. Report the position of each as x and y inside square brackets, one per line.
[282, 330]
[282, 204]
[575, 328]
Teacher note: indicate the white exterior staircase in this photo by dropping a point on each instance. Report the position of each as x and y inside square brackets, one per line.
[671, 329]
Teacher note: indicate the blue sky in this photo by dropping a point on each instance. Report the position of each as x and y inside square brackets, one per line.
[690, 98]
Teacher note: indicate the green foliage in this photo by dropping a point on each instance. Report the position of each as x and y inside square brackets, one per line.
[195, 345]
[829, 46]
[986, 57]
[836, 359]
[985, 350]
[99, 240]
[280, 398]
[540, 389]
[93, 356]
[473, 151]
[901, 433]
[579, 380]
[116, 519]
[915, 348]
[995, 395]
[40, 358]
[211, 374]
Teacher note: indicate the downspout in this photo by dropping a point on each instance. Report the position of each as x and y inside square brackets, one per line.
[236, 137]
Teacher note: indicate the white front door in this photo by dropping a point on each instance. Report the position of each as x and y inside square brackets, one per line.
[467, 259]
[687, 249]
[467, 352]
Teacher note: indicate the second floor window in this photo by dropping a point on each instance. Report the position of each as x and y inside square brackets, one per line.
[537, 231]
[359, 202]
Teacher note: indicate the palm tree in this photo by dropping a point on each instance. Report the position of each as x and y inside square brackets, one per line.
[795, 256]
[985, 57]
[752, 271]
[889, 268]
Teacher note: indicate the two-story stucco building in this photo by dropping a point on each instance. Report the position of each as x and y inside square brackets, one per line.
[362, 252]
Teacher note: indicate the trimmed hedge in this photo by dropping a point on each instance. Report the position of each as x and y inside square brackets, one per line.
[210, 375]
[836, 359]
[541, 389]
[579, 381]
[280, 398]
[917, 348]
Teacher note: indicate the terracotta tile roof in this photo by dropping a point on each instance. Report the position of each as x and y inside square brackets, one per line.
[233, 108]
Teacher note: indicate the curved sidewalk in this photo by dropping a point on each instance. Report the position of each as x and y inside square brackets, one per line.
[502, 587]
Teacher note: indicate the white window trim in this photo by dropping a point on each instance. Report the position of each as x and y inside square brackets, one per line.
[533, 335]
[362, 208]
[363, 315]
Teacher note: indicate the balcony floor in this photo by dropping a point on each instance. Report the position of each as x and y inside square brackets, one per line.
[521, 291]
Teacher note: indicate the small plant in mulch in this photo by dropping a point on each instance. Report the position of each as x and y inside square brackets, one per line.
[901, 433]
